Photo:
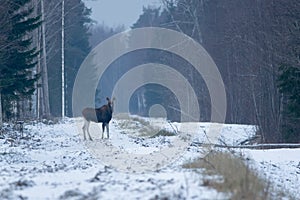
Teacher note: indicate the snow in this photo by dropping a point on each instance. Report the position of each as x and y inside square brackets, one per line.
[280, 166]
[54, 162]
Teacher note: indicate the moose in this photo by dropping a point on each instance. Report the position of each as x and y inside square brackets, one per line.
[99, 115]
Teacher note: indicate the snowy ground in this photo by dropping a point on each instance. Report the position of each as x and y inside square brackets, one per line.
[280, 166]
[53, 162]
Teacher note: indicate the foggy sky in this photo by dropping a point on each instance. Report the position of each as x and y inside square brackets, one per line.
[118, 12]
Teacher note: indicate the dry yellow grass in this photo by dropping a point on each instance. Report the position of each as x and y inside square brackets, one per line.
[140, 126]
[238, 180]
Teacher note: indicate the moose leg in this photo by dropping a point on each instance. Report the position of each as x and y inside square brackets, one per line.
[83, 129]
[87, 125]
[107, 129]
[103, 128]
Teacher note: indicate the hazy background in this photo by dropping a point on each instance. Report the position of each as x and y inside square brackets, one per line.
[118, 12]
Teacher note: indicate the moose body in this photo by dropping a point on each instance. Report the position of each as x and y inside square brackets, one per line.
[99, 115]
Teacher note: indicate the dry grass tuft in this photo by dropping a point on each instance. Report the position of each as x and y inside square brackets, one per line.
[140, 127]
[163, 132]
[238, 179]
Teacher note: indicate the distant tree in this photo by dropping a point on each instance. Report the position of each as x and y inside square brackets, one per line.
[289, 73]
[149, 18]
[289, 85]
[100, 32]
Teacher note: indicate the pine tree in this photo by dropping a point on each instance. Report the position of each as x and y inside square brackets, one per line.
[289, 85]
[17, 81]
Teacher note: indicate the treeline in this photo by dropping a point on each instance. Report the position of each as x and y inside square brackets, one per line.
[255, 45]
[31, 55]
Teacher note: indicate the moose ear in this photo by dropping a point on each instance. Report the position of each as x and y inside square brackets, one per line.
[107, 98]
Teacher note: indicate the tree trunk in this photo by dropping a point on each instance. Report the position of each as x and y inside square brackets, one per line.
[46, 106]
[1, 120]
[38, 71]
[63, 59]
[254, 146]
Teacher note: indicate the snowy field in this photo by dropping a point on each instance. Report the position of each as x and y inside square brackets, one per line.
[53, 161]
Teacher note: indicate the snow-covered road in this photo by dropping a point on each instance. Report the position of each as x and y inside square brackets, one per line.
[53, 162]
